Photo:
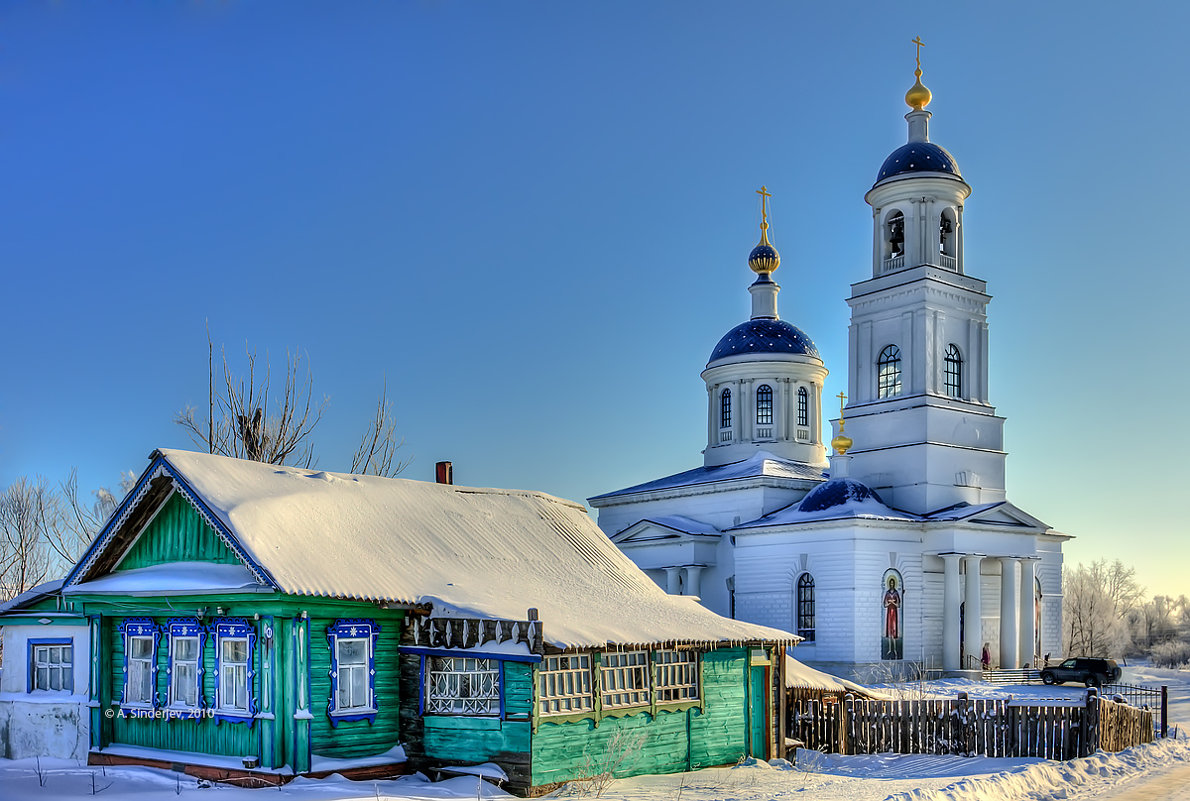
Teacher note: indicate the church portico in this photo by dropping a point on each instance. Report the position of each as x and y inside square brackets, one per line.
[904, 552]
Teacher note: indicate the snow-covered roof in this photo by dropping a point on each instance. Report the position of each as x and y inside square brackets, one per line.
[758, 465]
[172, 577]
[30, 595]
[464, 550]
[681, 523]
[837, 499]
[801, 675]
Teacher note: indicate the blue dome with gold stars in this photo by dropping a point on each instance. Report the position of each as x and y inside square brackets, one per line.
[764, 336]
[918, 157]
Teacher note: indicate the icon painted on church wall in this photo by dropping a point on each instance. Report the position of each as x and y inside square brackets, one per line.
[892, 642]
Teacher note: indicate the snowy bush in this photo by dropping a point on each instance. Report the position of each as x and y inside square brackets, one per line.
[1171, 654]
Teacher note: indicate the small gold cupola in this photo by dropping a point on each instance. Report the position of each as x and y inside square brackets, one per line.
[918, 96]
[842, 443]
[764, 258]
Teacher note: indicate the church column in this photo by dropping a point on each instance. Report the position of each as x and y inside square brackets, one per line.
[983, 362]
[950, 611]
[958, 224]
[693, 580]
[712, 416]
[973, 612]
[1028, 617]
[779, 393]
[673, 580]
[737, 417]
[816, 414]
[1010, 614]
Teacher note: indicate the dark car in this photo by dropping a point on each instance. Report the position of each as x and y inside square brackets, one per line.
[1090, 671]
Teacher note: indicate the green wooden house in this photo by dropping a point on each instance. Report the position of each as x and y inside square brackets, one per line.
[244, 617]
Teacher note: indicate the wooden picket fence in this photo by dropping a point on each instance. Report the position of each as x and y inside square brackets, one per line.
[995, 727]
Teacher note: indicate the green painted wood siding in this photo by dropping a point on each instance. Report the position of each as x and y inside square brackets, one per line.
[177, 534]
[201, 736]
[674, 741]
[357, 737]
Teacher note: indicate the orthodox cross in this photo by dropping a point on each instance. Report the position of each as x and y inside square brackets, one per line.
[764, 196]
[842, 398]
[920, 44]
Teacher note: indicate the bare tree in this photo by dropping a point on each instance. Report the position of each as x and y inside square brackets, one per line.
[248, 418]
[376, 454]
[77, 522]
[26, 509]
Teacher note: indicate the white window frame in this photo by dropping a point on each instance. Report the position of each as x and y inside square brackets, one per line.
[41, 658]
[226, 677]
[176, 699]
[564, 685]
[148, 663]
[676, 677]
[345, 670]
[624, 679]
[452, 683]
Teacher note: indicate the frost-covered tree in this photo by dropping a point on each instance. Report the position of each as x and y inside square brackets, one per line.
[1098, 600]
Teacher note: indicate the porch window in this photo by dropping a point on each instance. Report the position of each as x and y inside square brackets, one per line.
[353, 670]
[185, 663]
[625, 679]
[677, 676]
[140, 661]
[234, 673]
[462, 686]
[51, 665]
[564, 685]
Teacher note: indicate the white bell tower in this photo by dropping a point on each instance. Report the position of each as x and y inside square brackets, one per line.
[925, 435]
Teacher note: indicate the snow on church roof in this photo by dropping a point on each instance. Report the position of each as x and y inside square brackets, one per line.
[759, 464]
[838, 499]
[478, 552]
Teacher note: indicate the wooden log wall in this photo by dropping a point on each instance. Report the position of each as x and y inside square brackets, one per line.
[969, 727]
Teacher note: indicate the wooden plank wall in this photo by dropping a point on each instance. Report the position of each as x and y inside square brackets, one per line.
[177, 534]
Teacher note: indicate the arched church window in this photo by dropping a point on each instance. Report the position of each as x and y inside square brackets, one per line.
[725, 409]
[764, 405]
[803, 407]
[888, 372]
[953, 372]
[946, 233]
[805, 607]
[894, 235]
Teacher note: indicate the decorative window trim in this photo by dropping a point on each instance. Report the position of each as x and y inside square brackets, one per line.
[226, 629]
[65, 668]
[803, 407]
[677, 672]
[630, 679]
[352, 629]
[185, 628]
[140, 627]
[566, 680]
[484, 666]
[725, 409]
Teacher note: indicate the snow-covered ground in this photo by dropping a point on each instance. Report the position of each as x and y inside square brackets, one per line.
[1159, 771]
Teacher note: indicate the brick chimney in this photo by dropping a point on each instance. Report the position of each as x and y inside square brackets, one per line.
[444, 473]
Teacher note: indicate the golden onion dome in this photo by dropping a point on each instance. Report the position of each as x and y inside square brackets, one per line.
[841, 443]
[764, 258]
[918, 96]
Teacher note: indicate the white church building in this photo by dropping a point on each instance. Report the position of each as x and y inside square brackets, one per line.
[904, 549]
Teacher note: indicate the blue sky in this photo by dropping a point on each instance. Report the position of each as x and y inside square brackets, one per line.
[532, 219]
